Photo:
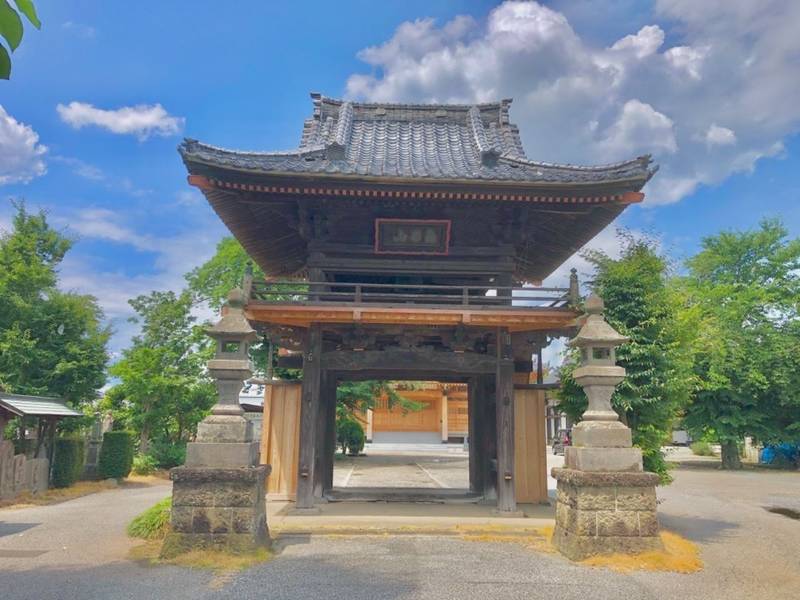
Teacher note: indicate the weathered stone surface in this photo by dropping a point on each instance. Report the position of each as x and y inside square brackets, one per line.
[6, 469]
[618, 479]
[601, 434]
[218, 507]
[603, 459]
[19, 473]
[224, 429]
[221, 455]
[576, 547]
[599, 517]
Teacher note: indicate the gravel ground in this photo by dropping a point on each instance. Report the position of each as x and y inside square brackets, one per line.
[749, 552]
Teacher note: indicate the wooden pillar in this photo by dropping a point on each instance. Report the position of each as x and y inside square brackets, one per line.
[325, 430]
[504, 406]
[488, 435]
[330, 432]
[370, 416]
[309, 411]
[475, 421]
[445, 425]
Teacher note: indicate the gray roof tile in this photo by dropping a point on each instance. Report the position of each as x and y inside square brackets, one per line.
[413, 141]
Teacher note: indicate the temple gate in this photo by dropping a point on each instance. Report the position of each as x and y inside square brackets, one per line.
[407, 241]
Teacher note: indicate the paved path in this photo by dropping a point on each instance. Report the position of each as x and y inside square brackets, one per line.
[750, 554]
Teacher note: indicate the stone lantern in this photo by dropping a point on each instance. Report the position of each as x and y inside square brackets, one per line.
[218, 496]
[605, 502]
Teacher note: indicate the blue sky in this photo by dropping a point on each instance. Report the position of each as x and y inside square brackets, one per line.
[708, 88]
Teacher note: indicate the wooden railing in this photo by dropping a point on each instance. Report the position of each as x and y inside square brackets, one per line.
[294, 292]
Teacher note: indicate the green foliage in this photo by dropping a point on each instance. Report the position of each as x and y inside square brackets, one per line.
[51, 342]
[743, 290]
[640, 304]
[116, 455]
[350, 435]
[355, 397]
[68, 461]
[701, 448]
[152, 524]
[144, 464]
[164, 391]
[211, 281]
[167, 455]
[11, 29]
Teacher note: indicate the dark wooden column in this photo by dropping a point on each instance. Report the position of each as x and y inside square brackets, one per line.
[309, 412]
[323, 459]
[487, 435]
[475, 421]
[328, 433]
[504, 398]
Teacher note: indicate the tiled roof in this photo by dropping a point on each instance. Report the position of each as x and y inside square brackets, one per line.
[36, 406]
[413, 141]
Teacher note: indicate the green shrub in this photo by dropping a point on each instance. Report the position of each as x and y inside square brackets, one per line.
[168, 455]
[144, 464]
[350, 436]
[702, 448]
[116, 455]
[152, 524]
[67, 462]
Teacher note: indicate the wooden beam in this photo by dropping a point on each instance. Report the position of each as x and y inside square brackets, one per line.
[309, 411]
[395, 359]
[504, 385]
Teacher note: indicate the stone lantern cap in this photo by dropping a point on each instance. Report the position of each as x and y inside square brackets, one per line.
[596, 331]
[233, 323]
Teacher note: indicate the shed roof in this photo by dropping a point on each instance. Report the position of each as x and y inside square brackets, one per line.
[435, 142]
[36, 406]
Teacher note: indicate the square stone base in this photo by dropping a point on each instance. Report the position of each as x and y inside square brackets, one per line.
[220, 508]
[605, 513]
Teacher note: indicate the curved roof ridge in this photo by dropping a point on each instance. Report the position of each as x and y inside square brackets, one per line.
[501, 105]
[643, 160]
[191, 144]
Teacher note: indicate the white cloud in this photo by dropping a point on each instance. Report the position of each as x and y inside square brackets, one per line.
[81, 168]
[106, 225]
[21, 154]
[143, 120]
[719, 136]
[728, 61]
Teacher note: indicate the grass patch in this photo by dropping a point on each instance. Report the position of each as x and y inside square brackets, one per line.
[152, 524]
[679, 556]
[701, 448]
[56, 495]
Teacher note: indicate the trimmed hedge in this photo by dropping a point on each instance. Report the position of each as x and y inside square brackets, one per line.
[67, 462]
[350, 435]
[116, 455]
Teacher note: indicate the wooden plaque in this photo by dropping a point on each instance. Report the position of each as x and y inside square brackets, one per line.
[412, 236]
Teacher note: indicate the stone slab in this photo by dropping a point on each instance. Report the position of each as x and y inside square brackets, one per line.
[603, 459]
[599, 434]
[221, 455]
[220, 429]
[580, 547]
[600, 479]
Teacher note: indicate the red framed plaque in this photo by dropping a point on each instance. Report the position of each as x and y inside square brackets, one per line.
[412, 236]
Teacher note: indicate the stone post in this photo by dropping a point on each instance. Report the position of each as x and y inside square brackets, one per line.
[605, 502]
[218, 496]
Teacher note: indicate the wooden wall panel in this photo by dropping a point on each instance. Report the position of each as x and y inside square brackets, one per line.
[457, 416]
[280, 435]
[530, 446]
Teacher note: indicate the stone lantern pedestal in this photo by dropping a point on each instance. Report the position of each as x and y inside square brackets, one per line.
[218, 496]
[605, 502]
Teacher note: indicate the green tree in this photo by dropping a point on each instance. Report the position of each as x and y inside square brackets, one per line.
[744, 290]
[51, 342]
[211, 281]
[163, 391]
[11, 29]
[640, 304]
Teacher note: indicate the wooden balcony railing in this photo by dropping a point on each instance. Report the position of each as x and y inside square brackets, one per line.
[404, 294]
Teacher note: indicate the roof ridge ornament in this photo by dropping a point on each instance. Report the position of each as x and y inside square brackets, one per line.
[337, 149]
[489, 152]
